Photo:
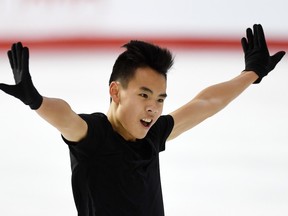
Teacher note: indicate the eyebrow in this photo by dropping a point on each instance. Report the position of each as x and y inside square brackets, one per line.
[143, 88]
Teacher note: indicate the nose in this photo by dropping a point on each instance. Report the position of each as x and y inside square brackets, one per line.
[152, 109]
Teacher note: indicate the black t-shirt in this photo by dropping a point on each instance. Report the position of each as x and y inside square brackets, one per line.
[112, 176]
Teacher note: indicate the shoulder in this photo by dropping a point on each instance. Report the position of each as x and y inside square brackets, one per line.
[97, 125]
[164, 121]
[95, 119]
[96, 115]
[163, 127]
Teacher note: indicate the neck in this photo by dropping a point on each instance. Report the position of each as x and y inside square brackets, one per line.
[116, 124]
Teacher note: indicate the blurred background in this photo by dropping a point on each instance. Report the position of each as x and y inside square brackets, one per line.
[235, 163]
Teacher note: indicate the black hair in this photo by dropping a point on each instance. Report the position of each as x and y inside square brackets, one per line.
[140, 54]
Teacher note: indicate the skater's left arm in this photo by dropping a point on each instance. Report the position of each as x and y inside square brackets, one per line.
[210, 101]
[258, 63]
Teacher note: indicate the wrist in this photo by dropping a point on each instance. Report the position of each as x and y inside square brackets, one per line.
[36, 102]
[30, 96]
[252, 75]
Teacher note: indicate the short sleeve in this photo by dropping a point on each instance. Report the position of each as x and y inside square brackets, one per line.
[161, 130]
[97, 122]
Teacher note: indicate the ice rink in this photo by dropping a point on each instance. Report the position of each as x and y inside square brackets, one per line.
[233, 164]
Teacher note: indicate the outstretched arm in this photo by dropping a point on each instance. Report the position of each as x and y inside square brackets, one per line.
[258, 63]
[55, 111]
[59, 114]
[210, 101]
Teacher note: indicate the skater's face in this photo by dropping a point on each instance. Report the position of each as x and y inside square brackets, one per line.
[140, 104]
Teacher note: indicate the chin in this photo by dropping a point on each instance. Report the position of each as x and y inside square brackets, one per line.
[142, 136]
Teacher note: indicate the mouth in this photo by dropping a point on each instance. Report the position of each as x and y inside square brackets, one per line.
[146, 122]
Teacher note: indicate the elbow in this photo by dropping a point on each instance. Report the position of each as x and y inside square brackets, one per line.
[215, 105]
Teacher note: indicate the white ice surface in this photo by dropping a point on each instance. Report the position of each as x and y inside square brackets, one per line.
[234, 164]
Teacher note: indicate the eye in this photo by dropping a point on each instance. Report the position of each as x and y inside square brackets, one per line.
[161, 100]
[143, 95]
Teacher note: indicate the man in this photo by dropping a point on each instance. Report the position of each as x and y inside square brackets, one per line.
[115, 156]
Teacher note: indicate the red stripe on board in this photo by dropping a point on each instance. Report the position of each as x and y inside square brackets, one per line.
[115, 43]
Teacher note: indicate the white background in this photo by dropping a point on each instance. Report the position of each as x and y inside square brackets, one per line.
[114, 18]
[235, 163]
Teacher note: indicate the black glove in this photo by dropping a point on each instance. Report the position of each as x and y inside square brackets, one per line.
[257, 57]
[24, 88]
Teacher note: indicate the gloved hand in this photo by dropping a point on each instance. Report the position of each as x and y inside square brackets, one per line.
[24, 88]
[257, 57]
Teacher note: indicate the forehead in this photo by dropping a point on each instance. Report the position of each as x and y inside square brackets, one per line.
[147, 77]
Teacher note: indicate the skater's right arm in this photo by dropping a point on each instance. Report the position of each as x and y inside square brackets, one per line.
[57, 112]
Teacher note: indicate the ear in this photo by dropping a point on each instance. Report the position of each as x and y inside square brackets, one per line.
[114, 91]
